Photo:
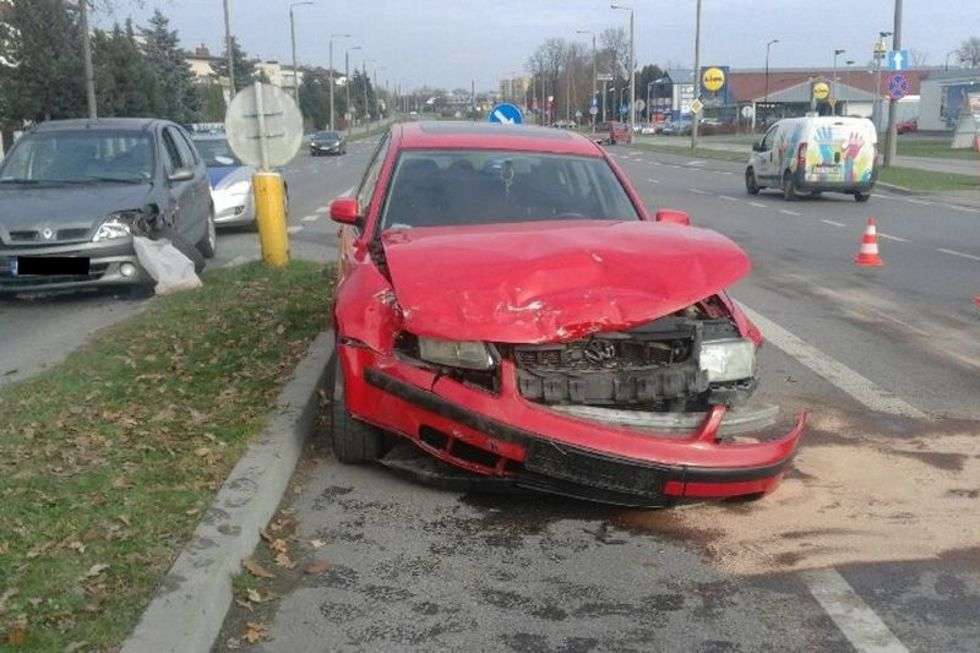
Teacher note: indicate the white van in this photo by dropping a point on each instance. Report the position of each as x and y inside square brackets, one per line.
[815, 154]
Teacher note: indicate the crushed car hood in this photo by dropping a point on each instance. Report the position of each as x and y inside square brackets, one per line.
[553, 281]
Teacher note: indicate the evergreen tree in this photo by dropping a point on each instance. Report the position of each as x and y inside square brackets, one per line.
[244, 67]
[124, 81]
[177, 98]
[41, 77]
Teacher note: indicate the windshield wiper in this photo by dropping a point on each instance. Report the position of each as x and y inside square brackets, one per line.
[95, 179]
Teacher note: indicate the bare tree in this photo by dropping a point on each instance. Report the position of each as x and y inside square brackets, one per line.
[968, 54]
[917, 58]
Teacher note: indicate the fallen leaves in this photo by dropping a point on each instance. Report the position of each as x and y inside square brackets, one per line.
[255, 632]
[317, 567]
[96, 570]
[257, 570]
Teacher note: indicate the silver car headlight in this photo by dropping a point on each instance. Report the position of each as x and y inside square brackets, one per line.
[730, 359]
[117, 225]
[456, 353]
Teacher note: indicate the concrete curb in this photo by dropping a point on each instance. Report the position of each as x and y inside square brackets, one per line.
[895, 188]
[190, 606]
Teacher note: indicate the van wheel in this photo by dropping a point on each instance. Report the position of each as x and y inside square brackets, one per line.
[789, 188]
[861, 197]
[751, 184]
[353, 441]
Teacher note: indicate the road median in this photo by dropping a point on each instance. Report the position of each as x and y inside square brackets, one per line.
[109, 461]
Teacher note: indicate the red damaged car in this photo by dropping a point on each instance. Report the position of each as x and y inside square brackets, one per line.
[508, 305]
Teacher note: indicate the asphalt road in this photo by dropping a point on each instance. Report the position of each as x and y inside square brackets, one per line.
[871, 543]
[38, 331]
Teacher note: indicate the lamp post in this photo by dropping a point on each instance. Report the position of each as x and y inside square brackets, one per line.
[765, 97]
[347, 81]
[833, 102]
[879, 54]
[891, 136]
[292, 36]
[364, 84]
[332, 76]
[87, 59]
[632, 69]
[697, 72]
[594, 60]
[228, 51]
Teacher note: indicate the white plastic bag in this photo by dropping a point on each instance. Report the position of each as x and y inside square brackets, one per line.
[168, 266]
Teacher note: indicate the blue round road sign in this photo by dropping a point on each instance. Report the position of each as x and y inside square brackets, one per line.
[506, 113]
[898, 87]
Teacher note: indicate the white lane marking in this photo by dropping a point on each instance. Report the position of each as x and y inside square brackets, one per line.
[728, 197]
[309, 218]
[788, 212]
[698, 191]
[965, 209]
[322, 209]
[914, 201]
[654, 181]
[294, 229]
[891, 237]
[860, 625]
[863, 390]
[955, 253]
[347, 193]
[834, 223]
[759, 204]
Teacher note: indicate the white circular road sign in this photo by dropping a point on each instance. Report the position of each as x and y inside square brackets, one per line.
[264, 130]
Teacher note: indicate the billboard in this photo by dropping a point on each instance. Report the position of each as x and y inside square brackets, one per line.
[715, 86]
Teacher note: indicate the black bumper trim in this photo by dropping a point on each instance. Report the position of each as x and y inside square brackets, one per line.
[434, 403]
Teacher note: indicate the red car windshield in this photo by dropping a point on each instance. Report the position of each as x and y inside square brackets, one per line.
[465, 187]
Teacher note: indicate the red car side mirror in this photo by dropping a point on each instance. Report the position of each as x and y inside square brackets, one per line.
[673, 216]
[345, 210]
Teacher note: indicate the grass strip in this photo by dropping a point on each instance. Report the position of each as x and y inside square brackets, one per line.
[108, 460]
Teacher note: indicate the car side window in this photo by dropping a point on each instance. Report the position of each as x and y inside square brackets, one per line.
[366, 189]
[768, 139]
[172, 159]
[187, 158]
[189, 146]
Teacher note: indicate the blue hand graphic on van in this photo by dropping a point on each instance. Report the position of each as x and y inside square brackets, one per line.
[824, 138]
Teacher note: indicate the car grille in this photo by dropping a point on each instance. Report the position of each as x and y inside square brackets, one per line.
[652, 366]
[36, 236]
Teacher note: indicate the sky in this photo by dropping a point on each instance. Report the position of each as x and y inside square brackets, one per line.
[448, 43]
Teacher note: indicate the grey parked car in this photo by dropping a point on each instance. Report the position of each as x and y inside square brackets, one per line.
[73, 192]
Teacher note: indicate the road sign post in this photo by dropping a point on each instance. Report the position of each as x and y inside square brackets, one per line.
[265, 129]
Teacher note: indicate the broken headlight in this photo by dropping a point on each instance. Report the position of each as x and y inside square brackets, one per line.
[456, 353]
[729, 359]
[117, 225]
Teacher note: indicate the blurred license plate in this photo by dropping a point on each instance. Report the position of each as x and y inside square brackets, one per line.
[51, 265]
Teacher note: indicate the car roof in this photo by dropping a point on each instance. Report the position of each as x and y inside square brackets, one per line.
[462, 135]
[121, 124]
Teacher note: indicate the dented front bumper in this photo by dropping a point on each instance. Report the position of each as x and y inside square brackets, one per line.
[504, 435]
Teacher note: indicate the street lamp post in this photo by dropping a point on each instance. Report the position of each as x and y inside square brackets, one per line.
[347, 82]
[87, 57]
[891, 135]
[833, 102]
[879, 54]
[594, 70]
[292, 36]
[229, 54]
[364, 85]
[765, 97]
[632, 69]
[697, 72]
[332, 76]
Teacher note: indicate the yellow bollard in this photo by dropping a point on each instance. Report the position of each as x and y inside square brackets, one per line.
[270, 214]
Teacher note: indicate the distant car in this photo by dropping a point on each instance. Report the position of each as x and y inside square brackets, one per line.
[815, 154]
[908, 126]
[231, 181]
[611, 133]
[73, 193]
[648, 130]
[680, 127]
[327, 142]
[564, 124]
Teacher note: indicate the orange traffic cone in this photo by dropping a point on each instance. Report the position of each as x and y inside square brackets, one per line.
[868, 254]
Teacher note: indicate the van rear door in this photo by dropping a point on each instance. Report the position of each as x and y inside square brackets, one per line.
[841, 151]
